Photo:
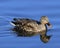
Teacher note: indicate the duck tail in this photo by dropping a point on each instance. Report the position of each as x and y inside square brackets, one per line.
[45, 39]
[13, 23]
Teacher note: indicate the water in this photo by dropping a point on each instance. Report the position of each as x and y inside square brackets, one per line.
[33, 9]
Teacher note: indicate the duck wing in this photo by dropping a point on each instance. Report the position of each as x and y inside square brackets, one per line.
[23, 21]
[24, 27]
[21, 32]
[26, 24]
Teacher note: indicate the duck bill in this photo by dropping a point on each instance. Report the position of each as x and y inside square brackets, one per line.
[49, 25]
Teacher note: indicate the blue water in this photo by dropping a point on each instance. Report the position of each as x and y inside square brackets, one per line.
[33, 9]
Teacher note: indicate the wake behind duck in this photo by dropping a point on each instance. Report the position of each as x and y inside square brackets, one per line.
[29, 27]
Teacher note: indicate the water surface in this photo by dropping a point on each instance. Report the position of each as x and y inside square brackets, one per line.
[32, 9]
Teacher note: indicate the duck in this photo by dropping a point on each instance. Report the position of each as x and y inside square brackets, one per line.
[29, 27]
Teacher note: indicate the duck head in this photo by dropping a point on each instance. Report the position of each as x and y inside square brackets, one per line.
[44, 20]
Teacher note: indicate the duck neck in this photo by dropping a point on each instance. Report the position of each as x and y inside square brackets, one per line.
[44, 25]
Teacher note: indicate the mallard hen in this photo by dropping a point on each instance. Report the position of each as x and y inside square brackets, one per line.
[29, 27]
